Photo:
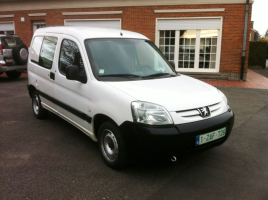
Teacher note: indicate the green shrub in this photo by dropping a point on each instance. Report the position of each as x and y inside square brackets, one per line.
[257, 53]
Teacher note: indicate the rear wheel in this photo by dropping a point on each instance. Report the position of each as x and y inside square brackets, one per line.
[13, 74]
[112, 145]
[38, 110]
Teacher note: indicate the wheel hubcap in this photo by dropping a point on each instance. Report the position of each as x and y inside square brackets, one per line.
[109, 146]
[23, 54]
[36, 105]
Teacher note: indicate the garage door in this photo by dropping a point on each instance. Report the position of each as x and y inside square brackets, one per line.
[6, 27]
[106, 23]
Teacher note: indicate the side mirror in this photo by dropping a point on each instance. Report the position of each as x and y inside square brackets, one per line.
[72, 73]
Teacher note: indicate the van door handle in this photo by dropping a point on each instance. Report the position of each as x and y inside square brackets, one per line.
[52, 76]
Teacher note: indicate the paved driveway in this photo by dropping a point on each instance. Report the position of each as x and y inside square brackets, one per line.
[51, 159]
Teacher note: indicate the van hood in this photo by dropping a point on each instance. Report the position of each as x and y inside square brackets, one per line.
[174, 93]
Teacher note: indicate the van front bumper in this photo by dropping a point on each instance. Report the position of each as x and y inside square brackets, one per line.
[146, 141]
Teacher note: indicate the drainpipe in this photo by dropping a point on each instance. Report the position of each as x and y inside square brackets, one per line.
[244, 43]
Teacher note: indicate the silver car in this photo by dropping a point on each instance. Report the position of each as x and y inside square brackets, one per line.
[13, 56]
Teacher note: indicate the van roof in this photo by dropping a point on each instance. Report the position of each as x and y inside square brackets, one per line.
[89, 32]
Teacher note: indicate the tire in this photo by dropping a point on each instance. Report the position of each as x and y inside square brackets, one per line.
[38, 110]
[20, 54]
[112, 146]
[13, 74]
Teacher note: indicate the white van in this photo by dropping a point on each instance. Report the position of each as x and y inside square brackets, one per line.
[119, 89]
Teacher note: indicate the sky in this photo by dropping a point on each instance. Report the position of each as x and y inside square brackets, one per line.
[260, 16]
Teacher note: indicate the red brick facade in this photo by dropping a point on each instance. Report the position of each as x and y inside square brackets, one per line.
[143, 20]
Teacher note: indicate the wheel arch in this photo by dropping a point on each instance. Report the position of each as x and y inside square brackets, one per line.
[98, 120]
[31, 90]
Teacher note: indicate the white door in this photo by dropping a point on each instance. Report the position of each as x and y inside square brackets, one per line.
[105, 23]
[72, 96]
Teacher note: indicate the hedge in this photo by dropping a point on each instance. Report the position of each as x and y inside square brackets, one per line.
[257, 53]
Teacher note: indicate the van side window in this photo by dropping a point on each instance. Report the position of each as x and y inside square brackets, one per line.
[70, 55]
[47, 52]
[36, 48]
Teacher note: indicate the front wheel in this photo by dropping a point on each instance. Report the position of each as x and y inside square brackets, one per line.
[112, 145]
[38, 110]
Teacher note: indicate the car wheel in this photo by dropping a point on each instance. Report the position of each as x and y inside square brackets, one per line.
[38, 110]
[20, 54]
[112, 145]
[13, 74]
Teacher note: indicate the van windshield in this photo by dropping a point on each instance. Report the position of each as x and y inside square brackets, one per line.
[127, 59]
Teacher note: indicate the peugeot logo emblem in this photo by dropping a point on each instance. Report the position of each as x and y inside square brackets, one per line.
[204, 111]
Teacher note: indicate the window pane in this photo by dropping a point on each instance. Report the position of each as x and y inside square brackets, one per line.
[208, 49]
[214, 49]
[186, 64]
[212, 65]
[214, 41]
[70, 55]
[167, 43]
[213, 57]
[191, 64]
[181, 41]
[193, 41]
[180, 64]
[192, 57]
[187, 48]
[47, 52]
[167, 33]
[171, 57]
[161, 41]
[162, 48]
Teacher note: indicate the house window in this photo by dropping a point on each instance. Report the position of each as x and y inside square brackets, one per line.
[196, 49]
[38, 24]
[167, 44]
[208, 49]
[187, 47]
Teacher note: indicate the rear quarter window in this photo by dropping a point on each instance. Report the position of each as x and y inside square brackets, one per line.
[47, 52]
[35, 50]
[43, 50]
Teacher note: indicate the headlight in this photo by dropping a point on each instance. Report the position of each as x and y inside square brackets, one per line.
[223, 97]
[149, 113]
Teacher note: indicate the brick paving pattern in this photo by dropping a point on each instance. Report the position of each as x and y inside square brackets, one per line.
[254, 80]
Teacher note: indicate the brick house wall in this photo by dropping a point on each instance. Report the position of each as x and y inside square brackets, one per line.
[142, 19]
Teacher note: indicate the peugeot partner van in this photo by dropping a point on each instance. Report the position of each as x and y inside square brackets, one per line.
[119, 89]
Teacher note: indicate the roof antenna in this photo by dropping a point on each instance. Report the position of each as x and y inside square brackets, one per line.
[121, 34]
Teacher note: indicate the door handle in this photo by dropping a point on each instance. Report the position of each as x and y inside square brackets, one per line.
[52, 76]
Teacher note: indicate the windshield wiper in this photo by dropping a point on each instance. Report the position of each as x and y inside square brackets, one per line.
[159, 74]
[119, 75]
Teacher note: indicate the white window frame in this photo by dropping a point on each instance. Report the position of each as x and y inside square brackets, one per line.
[9, 22]
[176, 53]
[109, 19]
[35, 23]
